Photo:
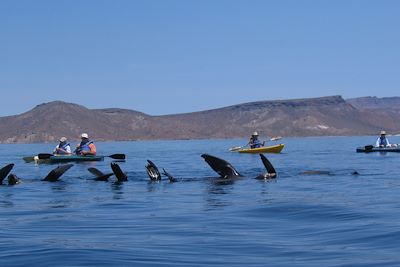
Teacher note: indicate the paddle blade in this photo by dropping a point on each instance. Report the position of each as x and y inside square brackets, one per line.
[117, 156]
[45, 155]
[29, 159]
[369, 148]
[236, 148]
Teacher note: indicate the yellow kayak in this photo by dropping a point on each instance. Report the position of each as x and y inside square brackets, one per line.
[264, 149]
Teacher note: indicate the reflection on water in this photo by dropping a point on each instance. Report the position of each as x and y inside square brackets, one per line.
[217, 192]
[58, 186]
[117, 190]
[153, 186]
[57, 204]
[6, 199]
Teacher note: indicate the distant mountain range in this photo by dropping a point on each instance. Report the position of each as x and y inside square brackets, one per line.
[330, 115]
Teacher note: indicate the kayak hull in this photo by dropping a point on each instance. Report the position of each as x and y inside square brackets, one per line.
[64, 158]
[264, 149]
[378, 149]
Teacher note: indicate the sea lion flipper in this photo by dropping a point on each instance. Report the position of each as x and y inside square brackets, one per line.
[152, 171]
[170, 177]
[220, 166]
[57, 172]
[121, 176]
[267, 164]
[5, 171]
[96, 172]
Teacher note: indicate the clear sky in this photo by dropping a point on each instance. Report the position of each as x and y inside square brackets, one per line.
[170, 56]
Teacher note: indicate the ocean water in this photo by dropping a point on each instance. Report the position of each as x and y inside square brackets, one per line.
[294, 220]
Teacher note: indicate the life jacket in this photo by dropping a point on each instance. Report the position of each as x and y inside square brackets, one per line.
[84, 147]
[255, 143]
[383, 141]
[64, 146]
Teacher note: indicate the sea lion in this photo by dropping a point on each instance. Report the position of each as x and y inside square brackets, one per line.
[121, 176]
[271, 172]
[153, 171]
[5, 171]
[57, 173]
[13, 179]
[100, 176]
[220, 166]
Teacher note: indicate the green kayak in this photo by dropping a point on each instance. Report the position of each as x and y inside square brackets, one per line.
[63, 158]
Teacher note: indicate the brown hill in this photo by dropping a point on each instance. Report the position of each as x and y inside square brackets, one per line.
[373, 102]
[298, 117]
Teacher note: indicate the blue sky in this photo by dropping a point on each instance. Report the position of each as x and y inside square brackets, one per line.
[169, 56]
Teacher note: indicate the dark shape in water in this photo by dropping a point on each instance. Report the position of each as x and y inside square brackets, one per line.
[57, 173]
[121, 176]
[153, 171]
[100, 176]
[170, 177]
[271, 173]
[13, 179]
[220, 166]
[5, 171]
[316, 173]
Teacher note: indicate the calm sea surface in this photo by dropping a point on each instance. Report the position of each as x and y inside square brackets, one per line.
[295, 220]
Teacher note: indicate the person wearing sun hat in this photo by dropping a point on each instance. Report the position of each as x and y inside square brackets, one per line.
[63, 148]
[86, 147]
[254, 142]
[382, 141]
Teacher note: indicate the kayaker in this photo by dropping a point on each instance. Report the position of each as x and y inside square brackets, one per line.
[254, 142]
[86, 146]
[63, 148]
[382, 141]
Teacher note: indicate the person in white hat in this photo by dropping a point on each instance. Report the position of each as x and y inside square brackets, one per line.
[63, 148]
[86, 146]
[254, 142]
[382, 141]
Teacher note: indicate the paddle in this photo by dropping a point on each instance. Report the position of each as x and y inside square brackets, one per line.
[236, 148]
[113, 156]
[117, 156]
[45, 155]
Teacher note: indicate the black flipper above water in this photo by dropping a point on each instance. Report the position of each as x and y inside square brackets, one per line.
[153, 171]
[100, 176]
[57, 173]
[13, 179]
[5, 171]
[271, 173]
[121, 176]
[220, 166]
[170, 177]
